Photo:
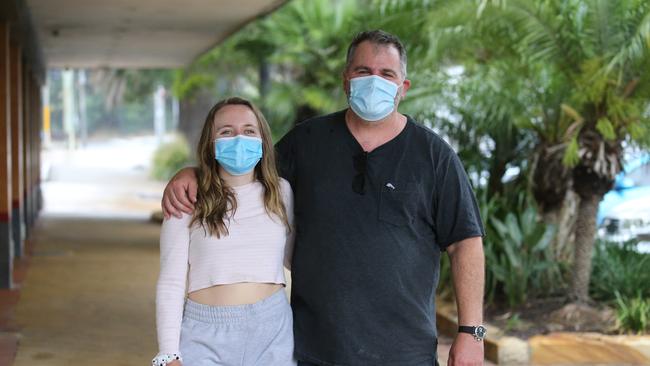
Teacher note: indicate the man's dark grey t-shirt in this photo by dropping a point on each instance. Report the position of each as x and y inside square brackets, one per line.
[370, 229]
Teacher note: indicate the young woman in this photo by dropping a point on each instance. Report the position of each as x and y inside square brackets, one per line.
[228, 256]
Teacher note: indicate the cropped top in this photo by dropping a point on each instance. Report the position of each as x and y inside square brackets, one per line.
[255, 250]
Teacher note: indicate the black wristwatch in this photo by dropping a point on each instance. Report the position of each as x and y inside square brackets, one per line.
[479, 332]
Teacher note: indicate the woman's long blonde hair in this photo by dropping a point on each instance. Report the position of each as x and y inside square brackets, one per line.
[216, 203]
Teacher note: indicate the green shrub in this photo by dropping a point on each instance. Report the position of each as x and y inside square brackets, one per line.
[169, 158]
[619, 268]
[632, 314]
[519, 261]
[520, 257]
[520, 265]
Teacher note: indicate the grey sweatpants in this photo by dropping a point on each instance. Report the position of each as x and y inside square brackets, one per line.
[259, 334]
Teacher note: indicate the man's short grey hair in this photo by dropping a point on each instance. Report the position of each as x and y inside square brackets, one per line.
[377, 37]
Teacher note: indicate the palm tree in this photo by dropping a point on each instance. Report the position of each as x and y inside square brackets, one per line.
[598, 53]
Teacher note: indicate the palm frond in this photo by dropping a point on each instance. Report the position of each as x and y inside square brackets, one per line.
[637, 41]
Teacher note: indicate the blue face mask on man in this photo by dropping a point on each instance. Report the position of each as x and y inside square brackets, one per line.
[238, 155]
[372, 97]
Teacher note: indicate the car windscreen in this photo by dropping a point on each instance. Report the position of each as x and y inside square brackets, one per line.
[640, 176]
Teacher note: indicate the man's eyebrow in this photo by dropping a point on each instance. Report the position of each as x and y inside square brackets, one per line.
[366, 68]
[389, 71]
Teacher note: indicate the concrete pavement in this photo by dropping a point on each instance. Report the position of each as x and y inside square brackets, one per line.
[89, 294]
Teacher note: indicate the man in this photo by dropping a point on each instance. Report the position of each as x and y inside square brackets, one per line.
[378, 197]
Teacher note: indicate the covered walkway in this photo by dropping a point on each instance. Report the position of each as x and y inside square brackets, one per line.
[36, 35]
[88, 297]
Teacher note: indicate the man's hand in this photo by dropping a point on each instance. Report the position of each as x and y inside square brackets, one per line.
[465, 351]
[180, 194]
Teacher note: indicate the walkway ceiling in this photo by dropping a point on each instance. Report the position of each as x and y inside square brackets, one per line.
[137, 33]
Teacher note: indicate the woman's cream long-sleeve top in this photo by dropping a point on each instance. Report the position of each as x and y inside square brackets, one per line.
[255, 250]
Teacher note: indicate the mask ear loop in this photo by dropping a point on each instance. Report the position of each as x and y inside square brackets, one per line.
[398, 95]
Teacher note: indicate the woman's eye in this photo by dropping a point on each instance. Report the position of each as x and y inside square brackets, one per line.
[224, 133]
[249, 132]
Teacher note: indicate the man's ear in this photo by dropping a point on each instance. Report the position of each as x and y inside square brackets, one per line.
[346, 84]
[405, 86]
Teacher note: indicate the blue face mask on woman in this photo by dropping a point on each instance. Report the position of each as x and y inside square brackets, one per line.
[238, 155]
[372, 97]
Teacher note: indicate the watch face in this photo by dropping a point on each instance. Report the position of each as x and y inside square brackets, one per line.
[480, 331]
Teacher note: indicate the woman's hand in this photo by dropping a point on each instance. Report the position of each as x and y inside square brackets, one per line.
[175, 363]
[180, 194]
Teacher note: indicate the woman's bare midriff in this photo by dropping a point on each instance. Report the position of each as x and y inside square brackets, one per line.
[235, 294]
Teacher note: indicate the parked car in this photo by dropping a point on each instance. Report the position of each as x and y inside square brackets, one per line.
[624, 213]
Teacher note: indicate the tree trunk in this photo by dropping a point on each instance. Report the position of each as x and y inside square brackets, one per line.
[584, 244]
[497, 170]
[192, 113]
[83, 107]
[563, 218]
[70, 116]
[159, 117]
[592, 178]
[550, 178]
[265, 83]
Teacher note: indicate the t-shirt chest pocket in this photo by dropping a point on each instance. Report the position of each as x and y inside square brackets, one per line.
[398, 202]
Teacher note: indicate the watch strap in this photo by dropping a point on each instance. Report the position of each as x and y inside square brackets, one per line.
[478, 332]
[466, 329]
